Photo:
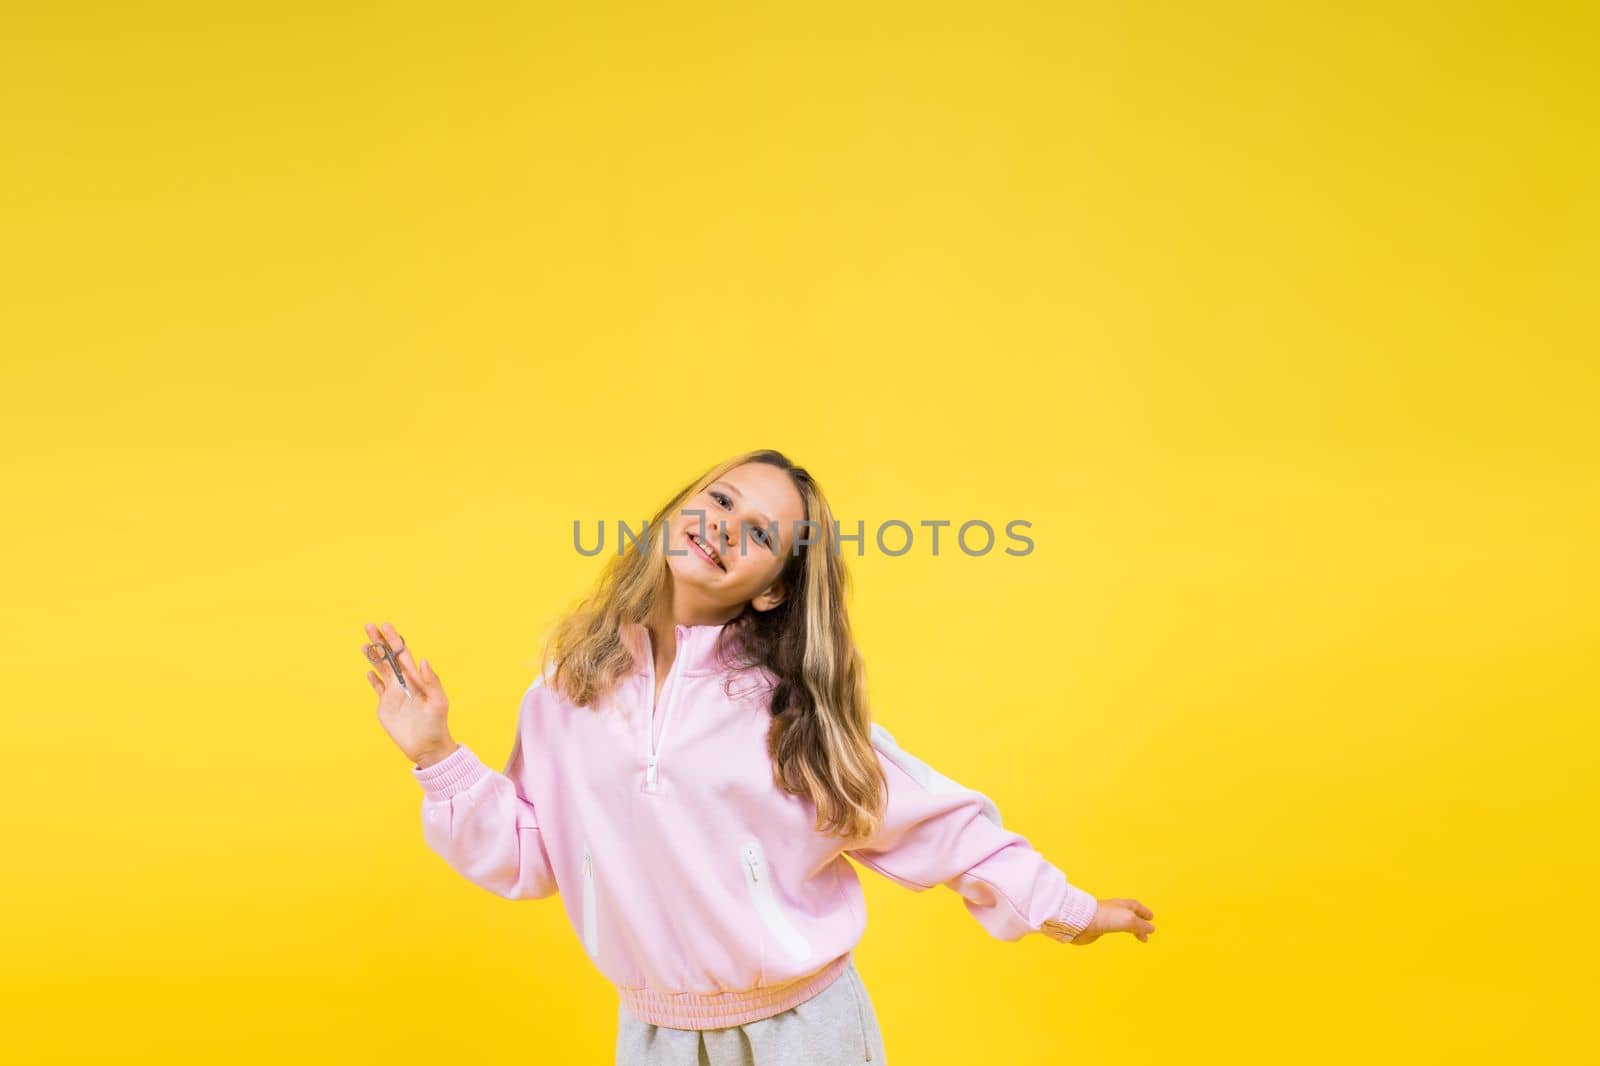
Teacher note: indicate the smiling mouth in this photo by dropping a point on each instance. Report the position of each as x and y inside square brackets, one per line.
[709, 556]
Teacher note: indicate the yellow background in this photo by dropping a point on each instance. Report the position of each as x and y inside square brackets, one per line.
[1277, 325]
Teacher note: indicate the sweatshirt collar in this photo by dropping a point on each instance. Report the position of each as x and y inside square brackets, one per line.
[697, 647]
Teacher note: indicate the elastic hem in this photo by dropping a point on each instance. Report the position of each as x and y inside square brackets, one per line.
[451, 775]
[1077, 911]
[694, 1010]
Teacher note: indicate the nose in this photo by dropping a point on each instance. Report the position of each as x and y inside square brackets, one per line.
[722, 539]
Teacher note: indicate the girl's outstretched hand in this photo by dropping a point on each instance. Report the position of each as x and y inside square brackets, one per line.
[416, 722]
[1118, 916]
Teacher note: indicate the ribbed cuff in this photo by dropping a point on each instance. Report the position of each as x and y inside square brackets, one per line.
[1077, 911]
[451, 775]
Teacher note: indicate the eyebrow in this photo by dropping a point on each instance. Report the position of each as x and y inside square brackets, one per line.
[777, 541]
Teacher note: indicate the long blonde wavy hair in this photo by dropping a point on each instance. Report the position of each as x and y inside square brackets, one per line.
[820, 739]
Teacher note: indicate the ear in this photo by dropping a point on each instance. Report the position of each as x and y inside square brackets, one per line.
[775, 594]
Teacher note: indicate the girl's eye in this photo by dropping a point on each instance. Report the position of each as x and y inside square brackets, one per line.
[723, 499]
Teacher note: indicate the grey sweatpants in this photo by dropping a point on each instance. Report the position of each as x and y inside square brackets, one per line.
[835, 1027]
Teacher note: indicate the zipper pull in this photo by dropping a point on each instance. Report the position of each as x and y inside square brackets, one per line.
[650, 775]
[754, 863]
[587, 866]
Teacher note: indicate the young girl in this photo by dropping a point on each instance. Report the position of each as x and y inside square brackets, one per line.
[690, 772]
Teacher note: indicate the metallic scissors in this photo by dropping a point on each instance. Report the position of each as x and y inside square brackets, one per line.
[380, 653]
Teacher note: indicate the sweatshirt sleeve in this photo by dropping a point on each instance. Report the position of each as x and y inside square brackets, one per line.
[937, 832]
[477, 821]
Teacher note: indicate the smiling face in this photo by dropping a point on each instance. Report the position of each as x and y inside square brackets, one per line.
[728, 544]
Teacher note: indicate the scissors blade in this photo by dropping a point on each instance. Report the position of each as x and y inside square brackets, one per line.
[394, 665]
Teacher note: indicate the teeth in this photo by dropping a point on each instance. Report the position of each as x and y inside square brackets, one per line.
[707, 549]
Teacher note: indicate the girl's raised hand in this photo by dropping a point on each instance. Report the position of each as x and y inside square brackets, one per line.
[1118, 916]
[416, 722]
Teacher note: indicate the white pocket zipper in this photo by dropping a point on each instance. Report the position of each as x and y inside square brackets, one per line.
[759, 880]
[591, 924]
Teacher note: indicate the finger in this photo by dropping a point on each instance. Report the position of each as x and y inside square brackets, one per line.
[385, 673]
[366, 655]
[384, 644]
[1137, 908]
[375, 681]
[415, 683]
[372, 652]
[430, 680]
[1124, 920]
[381, 646]
[374, 635]
[397, 643]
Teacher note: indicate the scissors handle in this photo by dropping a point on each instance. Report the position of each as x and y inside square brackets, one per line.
[386, 654]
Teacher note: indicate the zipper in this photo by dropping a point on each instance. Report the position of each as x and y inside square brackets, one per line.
[591, 923]
[652, 749]
[758, 877]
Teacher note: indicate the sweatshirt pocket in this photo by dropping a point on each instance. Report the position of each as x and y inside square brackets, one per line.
[591, 920]
[758, 879]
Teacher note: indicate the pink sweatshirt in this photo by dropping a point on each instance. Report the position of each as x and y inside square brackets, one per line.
[698, 887]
